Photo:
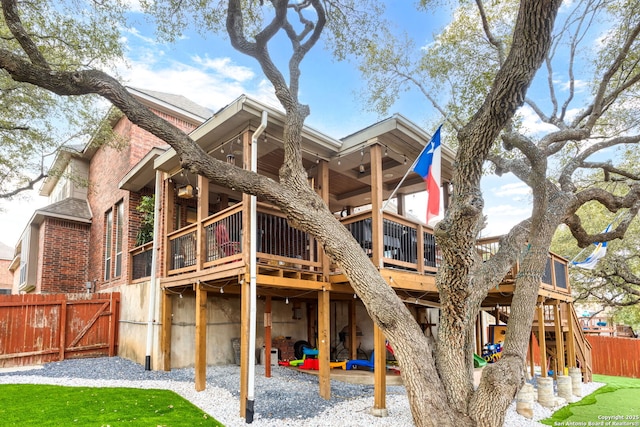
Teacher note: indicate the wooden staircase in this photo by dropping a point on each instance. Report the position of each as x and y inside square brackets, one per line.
[563, 339]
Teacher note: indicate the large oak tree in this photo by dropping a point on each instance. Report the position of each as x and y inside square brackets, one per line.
[439, 387]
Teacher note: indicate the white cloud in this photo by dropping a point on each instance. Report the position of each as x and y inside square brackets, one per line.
[132, 5]
[136, 33]
[502, 218]
[578, 85]
[532, 125]
[224, 67]
[512, 189]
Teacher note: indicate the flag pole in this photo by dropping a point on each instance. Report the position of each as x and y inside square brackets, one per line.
[393, 193]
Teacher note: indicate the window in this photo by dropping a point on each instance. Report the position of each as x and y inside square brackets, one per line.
[108, 231]
[192, 215]
[119, 234]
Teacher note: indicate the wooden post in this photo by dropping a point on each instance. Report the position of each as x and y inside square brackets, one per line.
[557, 320]
[267, 337]
[420, 248]
[542, 342]
[165, 340]
[63, 327]
[323, 187]
[379, 372]
[324, 327]
[203, 213]
[377, 221]
[169, 207]
[571, 343]
[531, 361]
[478, 333]
[201, 338]
[113, 307]
[353, 331]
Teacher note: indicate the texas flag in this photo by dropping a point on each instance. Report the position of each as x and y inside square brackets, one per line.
[427, 165]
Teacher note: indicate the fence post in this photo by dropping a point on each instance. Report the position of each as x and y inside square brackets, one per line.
[63, 325]
[113, 323]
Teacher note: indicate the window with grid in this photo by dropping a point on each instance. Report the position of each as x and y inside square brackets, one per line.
[108, 231]
[119, 235]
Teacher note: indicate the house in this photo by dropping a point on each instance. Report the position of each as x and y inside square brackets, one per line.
[185, 295]
[6, 278]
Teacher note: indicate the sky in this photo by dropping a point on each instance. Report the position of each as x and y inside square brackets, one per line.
[211, 73]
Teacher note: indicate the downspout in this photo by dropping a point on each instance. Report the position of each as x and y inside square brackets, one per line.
[154, 265]
[252, 276]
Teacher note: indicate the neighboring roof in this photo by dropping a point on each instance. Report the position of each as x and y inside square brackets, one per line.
[72, 209]
[178, 101]
[6, 251]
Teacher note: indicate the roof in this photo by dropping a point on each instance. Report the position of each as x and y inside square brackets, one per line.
[73, 209]
[178, 101]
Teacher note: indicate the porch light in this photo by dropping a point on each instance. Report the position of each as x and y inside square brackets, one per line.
[185, 192]
[231, 159]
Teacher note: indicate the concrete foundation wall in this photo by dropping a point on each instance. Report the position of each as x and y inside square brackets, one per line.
[223, 325]
[132, 333]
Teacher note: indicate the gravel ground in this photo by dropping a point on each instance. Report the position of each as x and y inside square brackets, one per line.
[288, 398]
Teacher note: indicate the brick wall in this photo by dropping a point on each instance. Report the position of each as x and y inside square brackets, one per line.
[108, 166]
[65, 248]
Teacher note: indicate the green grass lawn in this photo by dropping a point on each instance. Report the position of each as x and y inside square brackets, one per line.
[48, 405]
[615, 404]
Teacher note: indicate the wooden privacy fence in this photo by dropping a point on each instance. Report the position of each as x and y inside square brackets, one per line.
[36, 329]
[615, 356]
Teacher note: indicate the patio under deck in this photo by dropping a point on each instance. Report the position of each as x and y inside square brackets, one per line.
[354, 376]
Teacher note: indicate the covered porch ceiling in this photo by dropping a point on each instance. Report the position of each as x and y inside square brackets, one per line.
[349, 159]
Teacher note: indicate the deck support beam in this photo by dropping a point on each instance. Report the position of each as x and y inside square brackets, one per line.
[571, 343]
[531, 361]
[353, 331]
[201, 338]
[267, 337]
[379, 373]
[541, 341]
[557, 320]
[323, 344]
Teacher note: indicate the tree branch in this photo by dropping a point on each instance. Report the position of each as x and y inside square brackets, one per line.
[611, 202]
[487, 31]
[28, 186]
[601, 99]
[12, 18]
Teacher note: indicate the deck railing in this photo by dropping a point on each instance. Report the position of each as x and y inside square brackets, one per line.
[407, 245]
[555, 277]
[223, 237]
[401, 239]
[277, 242]
[140, 261]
